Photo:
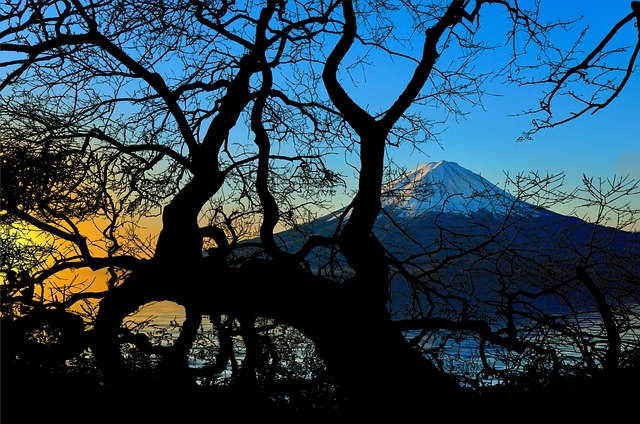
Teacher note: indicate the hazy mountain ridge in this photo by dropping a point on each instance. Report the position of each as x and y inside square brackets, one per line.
[452, 228]
[443, 206]
[432, 190]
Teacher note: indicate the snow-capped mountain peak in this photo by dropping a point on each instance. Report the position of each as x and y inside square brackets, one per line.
[445, 187]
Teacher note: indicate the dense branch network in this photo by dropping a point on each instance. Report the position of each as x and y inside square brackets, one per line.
[223, 123]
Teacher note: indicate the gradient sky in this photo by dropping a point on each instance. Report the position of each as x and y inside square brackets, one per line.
[602, 145]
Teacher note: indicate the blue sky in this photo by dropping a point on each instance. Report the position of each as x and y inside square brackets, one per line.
[602, 145]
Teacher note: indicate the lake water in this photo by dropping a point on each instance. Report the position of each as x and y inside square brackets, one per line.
[463, 354]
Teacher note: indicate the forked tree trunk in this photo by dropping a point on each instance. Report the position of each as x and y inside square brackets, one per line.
[375, 368]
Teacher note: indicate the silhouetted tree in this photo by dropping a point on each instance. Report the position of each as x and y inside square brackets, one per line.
[222, 118]
[530, 290]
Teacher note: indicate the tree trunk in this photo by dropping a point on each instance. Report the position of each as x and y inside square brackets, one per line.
[374, 366]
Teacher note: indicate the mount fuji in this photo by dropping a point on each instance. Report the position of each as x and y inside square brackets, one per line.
[443, 213]
[450, 228]
[439, 196]
[448, 188]
[441, 186]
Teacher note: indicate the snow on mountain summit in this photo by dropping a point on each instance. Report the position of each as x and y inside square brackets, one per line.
[445, 187]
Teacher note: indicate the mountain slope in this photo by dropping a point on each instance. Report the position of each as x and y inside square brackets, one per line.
[449, 188]
[441, 209]
[433, 191]
[441, 187]
[478, 237]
